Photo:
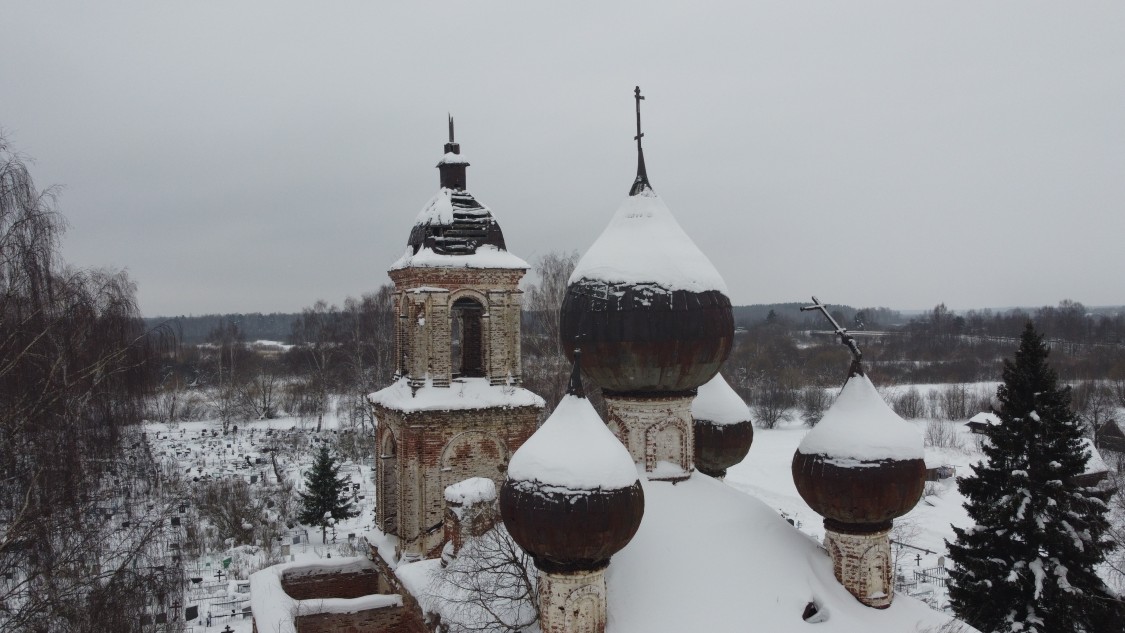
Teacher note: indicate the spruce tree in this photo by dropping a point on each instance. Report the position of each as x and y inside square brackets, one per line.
[1028, 563]
[325, 498]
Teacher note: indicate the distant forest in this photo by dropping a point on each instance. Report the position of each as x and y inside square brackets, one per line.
[1068, 321]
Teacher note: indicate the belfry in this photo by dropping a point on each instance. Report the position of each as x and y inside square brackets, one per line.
[456, 409]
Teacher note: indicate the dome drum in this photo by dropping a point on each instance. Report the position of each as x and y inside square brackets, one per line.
[567, 531]
[860, 492]
[643, 338]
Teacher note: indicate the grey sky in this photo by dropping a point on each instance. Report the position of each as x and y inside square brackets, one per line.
[259, 156]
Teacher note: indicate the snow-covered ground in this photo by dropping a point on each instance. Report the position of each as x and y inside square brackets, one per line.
[201, 453]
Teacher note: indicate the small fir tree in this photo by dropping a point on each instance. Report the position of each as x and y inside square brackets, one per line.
[325, 499]
[1028, 563]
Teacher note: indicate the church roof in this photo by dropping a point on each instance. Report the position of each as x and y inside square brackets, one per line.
[708, 557]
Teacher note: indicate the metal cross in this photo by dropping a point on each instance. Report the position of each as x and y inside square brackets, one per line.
[845, 338]
[637, 95]
[450, 127]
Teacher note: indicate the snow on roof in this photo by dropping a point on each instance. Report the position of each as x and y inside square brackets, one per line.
[1095, 464]
[574, 450]
[461, 394]
[275, 611]
[710, 558]
[471, 490]
[860, 426]
[717, 403]
[985, 417]
[449, 158]
[644, 244]
[486, 256]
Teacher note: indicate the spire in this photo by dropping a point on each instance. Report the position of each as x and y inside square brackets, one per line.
[575, 386]
[452, 165]
[641, 183]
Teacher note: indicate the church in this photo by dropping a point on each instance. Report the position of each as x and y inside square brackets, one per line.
[627, 520]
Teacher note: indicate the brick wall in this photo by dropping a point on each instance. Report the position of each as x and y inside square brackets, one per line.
[386, 620]
[333, 584]
[436, 449]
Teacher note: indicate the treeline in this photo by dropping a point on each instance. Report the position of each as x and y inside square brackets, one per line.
[254, 326]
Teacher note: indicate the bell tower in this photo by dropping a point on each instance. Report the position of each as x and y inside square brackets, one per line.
[456, 409]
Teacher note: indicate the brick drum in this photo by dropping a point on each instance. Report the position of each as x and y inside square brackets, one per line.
[655, 429]
[862, 563]
[572, 602]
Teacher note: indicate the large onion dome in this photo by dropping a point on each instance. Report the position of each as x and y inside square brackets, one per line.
[644, 303]
[723, 429]
[572, 499]
[862, 465]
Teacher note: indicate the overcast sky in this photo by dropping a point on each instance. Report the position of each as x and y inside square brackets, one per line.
[242, 157]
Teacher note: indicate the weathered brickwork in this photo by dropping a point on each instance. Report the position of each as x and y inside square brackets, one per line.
[572, 602]
[655, 429]
[334, 584]
[468, 520]
[424, 303]
[385, 620]
[423, 452]
[862, 563]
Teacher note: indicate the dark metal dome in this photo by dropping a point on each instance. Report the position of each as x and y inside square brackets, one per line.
[864, 494]
[720, 446]
[564, 531]
[642, 338]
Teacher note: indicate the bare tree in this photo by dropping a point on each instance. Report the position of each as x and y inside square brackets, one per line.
[75, 376]
[490, 586]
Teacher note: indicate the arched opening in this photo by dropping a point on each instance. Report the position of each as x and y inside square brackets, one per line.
[466, 339]
[388, 489]
[473, 454]
[665, 443]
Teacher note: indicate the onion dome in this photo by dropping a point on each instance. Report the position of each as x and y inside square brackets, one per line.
[862, 465]
[572, 498]
[644, 303]
[723, 429]
[453, 223]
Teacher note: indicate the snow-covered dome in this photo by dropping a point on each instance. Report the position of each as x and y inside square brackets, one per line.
[573, 497]
[862, 464]
[645, 304]
[453, 229]
[723, 429]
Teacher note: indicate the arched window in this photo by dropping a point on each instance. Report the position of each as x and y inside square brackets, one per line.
[467, 344]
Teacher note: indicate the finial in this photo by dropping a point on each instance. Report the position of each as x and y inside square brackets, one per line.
[641, 183]
[450, 127]
[575, 386]
[856, 368]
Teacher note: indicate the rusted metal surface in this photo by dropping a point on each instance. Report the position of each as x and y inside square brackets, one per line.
[863, 493]
[570, 532]
[639, 338]
[472, 226]
[720, 446]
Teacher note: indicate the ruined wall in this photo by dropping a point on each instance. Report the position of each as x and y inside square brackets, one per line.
[436, 449]
[386, 620]
[333, 584]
